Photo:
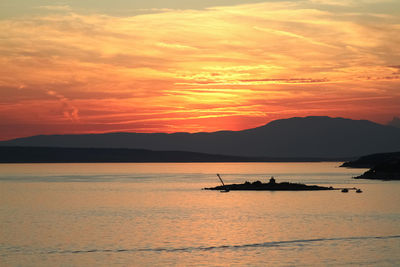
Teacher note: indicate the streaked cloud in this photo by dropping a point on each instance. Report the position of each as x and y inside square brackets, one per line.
[56, 7]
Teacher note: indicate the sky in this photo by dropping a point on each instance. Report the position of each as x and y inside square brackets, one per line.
[191, 66]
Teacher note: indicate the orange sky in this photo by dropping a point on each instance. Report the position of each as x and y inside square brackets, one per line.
[216, 68]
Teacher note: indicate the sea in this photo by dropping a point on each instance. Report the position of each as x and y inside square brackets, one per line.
[156, 214]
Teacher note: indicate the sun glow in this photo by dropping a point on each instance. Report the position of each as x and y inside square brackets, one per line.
[219, 68]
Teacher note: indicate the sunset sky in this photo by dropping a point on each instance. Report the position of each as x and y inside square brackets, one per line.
[97, 66]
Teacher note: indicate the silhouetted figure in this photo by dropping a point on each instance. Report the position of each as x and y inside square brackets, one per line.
[272, 180]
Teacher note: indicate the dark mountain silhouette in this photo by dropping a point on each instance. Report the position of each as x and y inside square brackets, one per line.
[395, 122]
[11, 154]
[295, 137]
[66, 154]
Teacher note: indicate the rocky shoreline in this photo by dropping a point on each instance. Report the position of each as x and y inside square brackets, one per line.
[271, 186]
[389, 170]
[383, 166]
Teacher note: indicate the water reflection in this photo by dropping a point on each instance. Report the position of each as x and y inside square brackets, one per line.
[145, 217]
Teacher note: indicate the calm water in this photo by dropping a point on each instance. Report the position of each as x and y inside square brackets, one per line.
[157, 215]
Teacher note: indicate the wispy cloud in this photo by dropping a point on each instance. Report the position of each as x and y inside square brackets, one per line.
[56, 7]
[68, 110]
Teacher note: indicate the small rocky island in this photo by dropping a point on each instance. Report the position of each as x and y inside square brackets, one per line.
[272, 185]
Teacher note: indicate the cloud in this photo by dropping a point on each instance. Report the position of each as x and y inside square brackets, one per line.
[290, 80]
[56, 7]
[293, 35]
[68, 110]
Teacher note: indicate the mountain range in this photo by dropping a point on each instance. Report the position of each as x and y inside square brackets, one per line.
[316, 136]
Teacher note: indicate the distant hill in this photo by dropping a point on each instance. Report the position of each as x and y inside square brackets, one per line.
[318, 137]
[9, 154]
[65, 155]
